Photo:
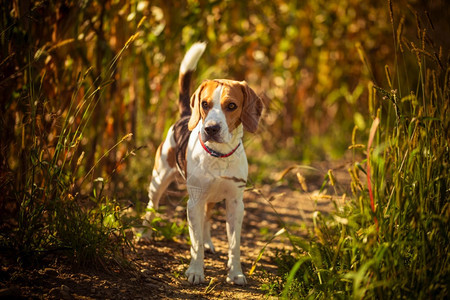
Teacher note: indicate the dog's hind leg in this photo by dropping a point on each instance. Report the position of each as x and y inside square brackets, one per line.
[164, 173]
[158, 185]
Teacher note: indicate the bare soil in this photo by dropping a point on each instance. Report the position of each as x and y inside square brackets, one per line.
[157, 269]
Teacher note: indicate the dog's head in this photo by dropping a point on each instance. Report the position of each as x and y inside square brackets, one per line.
[223, 105]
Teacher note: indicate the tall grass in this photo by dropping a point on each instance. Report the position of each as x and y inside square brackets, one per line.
[56, 204]
[391, 240]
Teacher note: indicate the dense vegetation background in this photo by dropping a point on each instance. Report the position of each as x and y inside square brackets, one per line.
[89, 88]
[118, 62]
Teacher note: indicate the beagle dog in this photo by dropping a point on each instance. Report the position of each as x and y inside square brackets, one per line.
[205, 147]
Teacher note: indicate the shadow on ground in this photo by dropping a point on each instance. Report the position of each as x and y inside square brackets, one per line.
[158, 267]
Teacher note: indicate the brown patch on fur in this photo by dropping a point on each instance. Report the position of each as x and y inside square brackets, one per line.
[253, 106]
[171, 159]
[232, 93]
[234, 178]
[249, 105]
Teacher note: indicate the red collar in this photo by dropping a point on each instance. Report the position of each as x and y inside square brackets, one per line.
[215, 153]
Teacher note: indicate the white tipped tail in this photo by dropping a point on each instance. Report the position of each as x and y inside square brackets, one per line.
[191, 58]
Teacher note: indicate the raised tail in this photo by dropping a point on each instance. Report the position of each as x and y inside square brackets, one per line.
[188, 66]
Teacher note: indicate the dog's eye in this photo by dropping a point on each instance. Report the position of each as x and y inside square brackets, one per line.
[231, 106]
[205, 104]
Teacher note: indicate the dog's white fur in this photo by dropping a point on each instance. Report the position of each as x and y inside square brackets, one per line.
[190, 60]
[210, 179]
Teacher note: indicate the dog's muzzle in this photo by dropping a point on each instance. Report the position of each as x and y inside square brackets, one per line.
[212, 132]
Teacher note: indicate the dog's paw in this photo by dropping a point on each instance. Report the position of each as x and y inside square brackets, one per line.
[195, 276]
[237, 278]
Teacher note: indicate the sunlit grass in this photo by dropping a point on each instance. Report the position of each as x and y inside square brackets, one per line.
[61, 208]
[391, 240]
[73, 90]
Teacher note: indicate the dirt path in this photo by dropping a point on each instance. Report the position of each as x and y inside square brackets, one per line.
[161, 264]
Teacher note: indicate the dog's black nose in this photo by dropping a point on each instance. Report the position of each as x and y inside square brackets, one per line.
[212, 130]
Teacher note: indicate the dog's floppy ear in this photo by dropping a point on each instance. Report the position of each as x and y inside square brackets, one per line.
[252, 109]
[195, 108]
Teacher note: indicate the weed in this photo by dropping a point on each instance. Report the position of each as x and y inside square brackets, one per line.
[57, 204]
[167, 229]
[391, 240]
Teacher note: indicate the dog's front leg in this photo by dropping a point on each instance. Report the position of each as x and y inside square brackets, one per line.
[235, 214]
[195, 214]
